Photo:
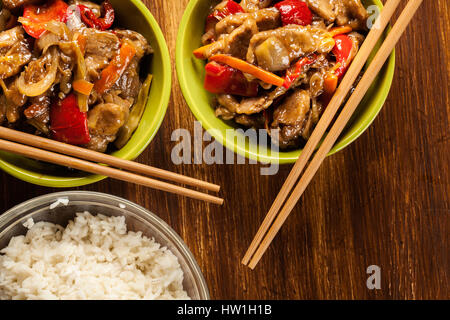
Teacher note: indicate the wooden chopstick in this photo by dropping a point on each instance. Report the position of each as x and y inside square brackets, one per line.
[95, 168]
[82, 153]
[328, 116]
[350, 107]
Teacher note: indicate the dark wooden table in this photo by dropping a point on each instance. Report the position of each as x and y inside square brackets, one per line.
[382, 201]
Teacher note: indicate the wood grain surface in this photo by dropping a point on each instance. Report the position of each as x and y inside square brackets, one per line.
[382, 201]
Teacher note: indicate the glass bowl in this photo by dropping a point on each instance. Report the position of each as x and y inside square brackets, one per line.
[137, 219]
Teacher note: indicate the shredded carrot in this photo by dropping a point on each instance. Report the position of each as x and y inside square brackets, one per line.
[246, 67]
[116, 68]
[83, 87]
[200, 52]
[339, 30]
[331, 80]
[330, 83]
[80, 39]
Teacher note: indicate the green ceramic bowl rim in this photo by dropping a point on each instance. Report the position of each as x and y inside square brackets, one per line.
[378, 101]
[134, 151]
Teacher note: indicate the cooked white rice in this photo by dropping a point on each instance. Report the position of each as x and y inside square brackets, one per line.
[93, 258]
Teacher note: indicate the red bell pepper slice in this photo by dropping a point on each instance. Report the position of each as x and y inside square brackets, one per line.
[35, 16]
[230, 8]
[292, 76]
[294, 12]
[90, 19]
[223, 79]
[68, 123]
[343, 51]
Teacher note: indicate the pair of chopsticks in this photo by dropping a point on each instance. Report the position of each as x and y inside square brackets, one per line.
[87, 160]
[279, 213]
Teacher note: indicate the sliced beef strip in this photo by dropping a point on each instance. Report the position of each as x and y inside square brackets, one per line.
[3, 104]
[256, 105]
[342, 12]
[224, 113]
[101, 47]
[323, 8]
[104, 122]
[236, 44]
[227, 111]
[297, 41]
[255, 5]
[228, 101]
[294, 119]
[14, 52]
[106, 119]
[138, 40]
[13, 100]
[350, 12]
[266, 19]
[100, 143]
[255, 121]
[129, 83]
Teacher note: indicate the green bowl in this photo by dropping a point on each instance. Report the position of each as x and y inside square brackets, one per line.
[134, 15]
[191, 75]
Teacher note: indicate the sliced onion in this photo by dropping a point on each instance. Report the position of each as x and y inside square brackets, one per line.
[40, 87]
[80, 74]
[47, 40]
[58, 28]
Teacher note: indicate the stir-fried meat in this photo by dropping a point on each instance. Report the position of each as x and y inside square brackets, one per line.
[39, 106]
[101, 47]
[129, 83]
[138, 41]
[294, 119]
[3, 104]
[114, 98]
[13, 101]
[224, 113]
[254, 5]
[299, 50]
[236, 44]
[323, 8]
[357, 40]
[99, 143]
[38, 116]
[13, 4]
[258, 104]
[350, 12]
[14, 52]
[104, 122]
[228, 108]
[229, 102]
[266, 19]
[280, 47]
[255, 121]
[342, 12]
[106, 119]
[61, 63]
